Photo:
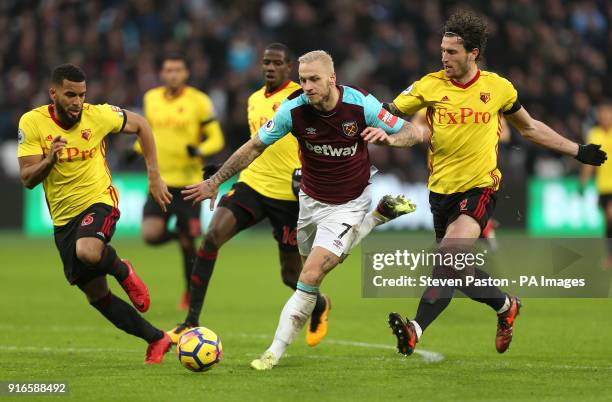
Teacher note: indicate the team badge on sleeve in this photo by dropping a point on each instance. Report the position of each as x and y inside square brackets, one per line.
[407, 90]
[269, 126]
[386, 117]
[20, 136]
[117, 109]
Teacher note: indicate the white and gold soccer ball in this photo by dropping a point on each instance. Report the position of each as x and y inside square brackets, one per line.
[199, 349]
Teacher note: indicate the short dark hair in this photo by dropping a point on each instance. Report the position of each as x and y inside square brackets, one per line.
[470, 27]
[174, 56]
[68, 72]
[281, 48]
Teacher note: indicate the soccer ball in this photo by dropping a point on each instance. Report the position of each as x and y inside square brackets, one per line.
[199, 349]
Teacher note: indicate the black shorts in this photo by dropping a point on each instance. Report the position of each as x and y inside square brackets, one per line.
[250, 207]
[479, 203]
[96, 221]
[187, 215]
[604, 199]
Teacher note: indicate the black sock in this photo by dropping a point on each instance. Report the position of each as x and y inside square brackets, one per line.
[434, 300]
[188, 261]
[492, 296]
[200, 276]
[111, 264]
[126, 318]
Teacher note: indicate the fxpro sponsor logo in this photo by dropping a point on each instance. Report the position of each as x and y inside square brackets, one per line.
[329, 150]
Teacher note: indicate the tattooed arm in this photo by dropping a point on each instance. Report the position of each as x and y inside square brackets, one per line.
[409, 135]
[239, 160]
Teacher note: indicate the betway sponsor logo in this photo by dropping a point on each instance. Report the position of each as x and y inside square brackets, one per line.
[328, 150]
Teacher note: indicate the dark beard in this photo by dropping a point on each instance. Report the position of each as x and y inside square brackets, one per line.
[65, 118]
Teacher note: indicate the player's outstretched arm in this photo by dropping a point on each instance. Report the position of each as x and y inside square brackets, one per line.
[33, 169]
[409, 135]
[539, 133]
[137, 124]
[240, 159]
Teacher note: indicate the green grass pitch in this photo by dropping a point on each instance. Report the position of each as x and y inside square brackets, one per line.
[562, 349]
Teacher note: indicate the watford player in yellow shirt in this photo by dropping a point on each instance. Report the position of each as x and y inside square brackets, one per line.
[602, 134]
[267, 188]
[464, 109]
[186, 130]
[62, 145]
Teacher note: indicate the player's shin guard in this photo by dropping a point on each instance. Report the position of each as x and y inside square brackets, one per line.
[126, 318]
[293, 317]
[111, 264]
[200, 277]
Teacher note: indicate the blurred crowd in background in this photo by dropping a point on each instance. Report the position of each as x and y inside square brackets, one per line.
[557, 53]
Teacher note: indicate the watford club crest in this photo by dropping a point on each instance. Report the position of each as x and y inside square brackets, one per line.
[349, 128]
[86, 134]
[485, 97]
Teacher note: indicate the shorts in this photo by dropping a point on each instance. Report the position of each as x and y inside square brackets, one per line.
[604, 199]
[327, 225]
[479, 203]
[187, 215]
[250, 207]
[97, 221]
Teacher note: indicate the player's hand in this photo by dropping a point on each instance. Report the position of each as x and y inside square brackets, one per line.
[55, 151]
[203, 190]
[193, 151]
[159, 191]
[591, 154]
[377, 136]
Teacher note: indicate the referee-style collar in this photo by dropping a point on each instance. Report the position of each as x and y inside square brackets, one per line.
[467, 84]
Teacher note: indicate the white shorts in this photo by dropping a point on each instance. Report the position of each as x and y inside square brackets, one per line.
[329, 225]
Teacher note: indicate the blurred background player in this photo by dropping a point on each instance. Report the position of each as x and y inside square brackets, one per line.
[62, 145]
[333, 125]
[186, 130]
[464, 108]
[266, 188]
[602, 134]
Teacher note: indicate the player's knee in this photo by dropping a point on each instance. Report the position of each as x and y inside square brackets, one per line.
[89, 252]
[151, 237]
[312, 275]
[213, 239]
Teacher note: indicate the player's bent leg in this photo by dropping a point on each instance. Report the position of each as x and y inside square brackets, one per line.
[299, 307]
[388, 208]
[94, 252]
[125, 317]
[291, 266]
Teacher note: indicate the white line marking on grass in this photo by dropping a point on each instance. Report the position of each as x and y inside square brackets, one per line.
[427, 355]
[54, 349]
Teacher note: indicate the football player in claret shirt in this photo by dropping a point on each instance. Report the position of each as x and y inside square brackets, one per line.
[186, 130]
[464, 109]
[266, 188]
[333, 125]
[62, 146]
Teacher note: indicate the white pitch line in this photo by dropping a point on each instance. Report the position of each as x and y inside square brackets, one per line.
[427, 355]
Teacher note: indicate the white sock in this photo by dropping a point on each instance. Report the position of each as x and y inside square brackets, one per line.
[417, 328]
[505, 307]
[370, 221]
[296, 312]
